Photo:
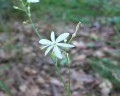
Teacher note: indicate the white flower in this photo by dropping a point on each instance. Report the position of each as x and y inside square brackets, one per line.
[32, 1]
[54, 44]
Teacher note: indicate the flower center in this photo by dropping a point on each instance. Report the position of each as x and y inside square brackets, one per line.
[55, 44]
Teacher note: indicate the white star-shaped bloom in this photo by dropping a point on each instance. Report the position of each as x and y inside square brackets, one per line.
[32, 1]
[54, 44]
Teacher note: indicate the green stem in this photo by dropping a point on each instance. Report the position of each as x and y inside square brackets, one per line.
[55, 63]
[68, 61]
[31, 21]
[35, 30]
[70, 39]
[59, 74]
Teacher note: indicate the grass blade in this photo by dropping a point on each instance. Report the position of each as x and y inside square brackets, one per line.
[3, 87]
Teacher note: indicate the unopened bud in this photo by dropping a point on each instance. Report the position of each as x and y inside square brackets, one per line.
[74, 35]
[65, 40]
[28, 7]
[24, 22]
[15, 7]
[77, 27]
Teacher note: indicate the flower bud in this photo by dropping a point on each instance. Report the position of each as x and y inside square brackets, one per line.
[74, 35]
[28, 7]
[24, 22]
[65, 40]
[15, 7]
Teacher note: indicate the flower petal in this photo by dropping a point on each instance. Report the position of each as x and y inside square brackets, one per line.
[48, 49]
[45, 41]
[57, 52]
[65, 45]
[32, 1]
[52, 36]
[43, 47]
[62, 37]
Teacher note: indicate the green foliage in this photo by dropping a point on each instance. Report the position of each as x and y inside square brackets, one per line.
[67, 10]
[3, 5]
[74, 10]
[106, 69]
[90, 45]
[3, 86]
[3, 67]
[63, 61]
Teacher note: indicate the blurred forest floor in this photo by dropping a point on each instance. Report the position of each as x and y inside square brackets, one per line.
[95, 60]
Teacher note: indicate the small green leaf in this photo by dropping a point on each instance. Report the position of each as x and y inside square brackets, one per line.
[63, 61]
[90, 44]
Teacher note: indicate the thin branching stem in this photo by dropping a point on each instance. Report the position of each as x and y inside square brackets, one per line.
[68, 62]
[37, 33]
[27, 11]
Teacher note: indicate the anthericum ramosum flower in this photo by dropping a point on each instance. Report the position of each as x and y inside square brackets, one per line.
[32, 1]
[55, 44]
